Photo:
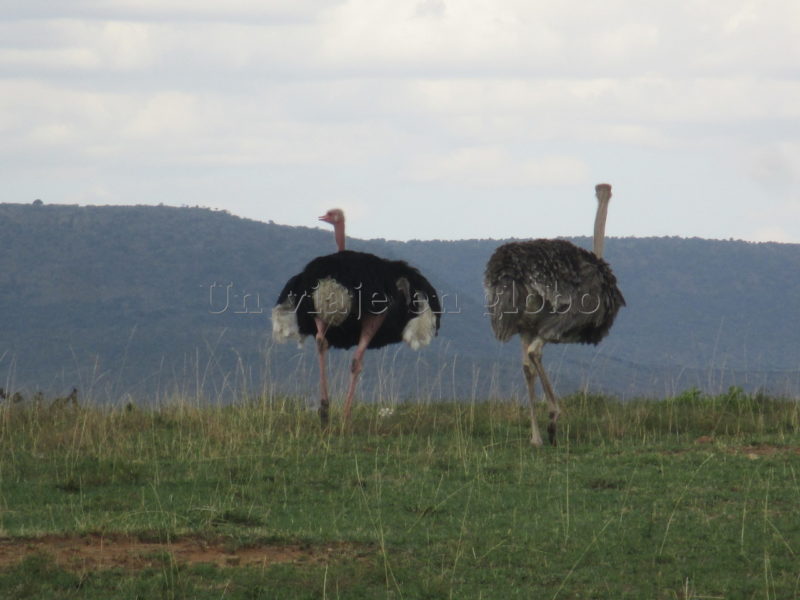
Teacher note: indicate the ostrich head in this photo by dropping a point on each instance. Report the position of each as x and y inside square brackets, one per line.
[603, 193]
[335, 217]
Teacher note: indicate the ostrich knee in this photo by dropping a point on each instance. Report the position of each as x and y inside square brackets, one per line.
[356, 366]
[322, 343]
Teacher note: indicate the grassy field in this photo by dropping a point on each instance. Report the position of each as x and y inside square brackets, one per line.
[688, 497]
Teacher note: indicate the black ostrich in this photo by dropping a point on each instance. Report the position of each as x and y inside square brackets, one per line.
[551, 291]
[357, 299]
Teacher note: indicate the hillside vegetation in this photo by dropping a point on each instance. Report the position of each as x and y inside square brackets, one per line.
[148, 301]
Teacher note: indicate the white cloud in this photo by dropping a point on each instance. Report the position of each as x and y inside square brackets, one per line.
[777, 165]
[430, 8]
[69, 44]
[173, 127]
[468, 35]
[170, 10]
[166, 114]
[494, 167]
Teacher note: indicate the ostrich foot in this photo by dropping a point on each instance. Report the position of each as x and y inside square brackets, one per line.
[551, 431]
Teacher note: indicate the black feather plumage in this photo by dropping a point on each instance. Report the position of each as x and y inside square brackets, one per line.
[375, 284]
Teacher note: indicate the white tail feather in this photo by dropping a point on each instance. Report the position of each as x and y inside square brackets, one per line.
[420, 330]
[284, 324]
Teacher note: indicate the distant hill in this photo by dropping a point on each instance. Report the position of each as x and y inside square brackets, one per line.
[142, 302]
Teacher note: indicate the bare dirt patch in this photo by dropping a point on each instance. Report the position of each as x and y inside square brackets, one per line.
[97, 552]
[757, 451]
[752, 451]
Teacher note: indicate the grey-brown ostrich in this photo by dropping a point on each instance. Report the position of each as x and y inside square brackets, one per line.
[552, 291]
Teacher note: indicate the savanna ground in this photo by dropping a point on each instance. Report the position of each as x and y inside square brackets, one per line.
[687, 497]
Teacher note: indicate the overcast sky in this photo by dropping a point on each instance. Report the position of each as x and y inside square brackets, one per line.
[421, 118]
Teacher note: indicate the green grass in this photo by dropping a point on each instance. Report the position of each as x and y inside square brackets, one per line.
[688, 497]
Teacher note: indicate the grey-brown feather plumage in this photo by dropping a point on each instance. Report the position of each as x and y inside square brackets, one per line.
[551, 289]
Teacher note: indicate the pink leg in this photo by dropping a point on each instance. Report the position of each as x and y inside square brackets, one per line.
[322, 349]
[370, 325]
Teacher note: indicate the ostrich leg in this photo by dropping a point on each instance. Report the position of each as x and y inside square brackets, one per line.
[535, 356]
[552, 401]
[370, 324]
[322, 349]
[530, 379]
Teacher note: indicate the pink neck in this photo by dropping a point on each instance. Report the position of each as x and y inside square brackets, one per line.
[338, 233]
